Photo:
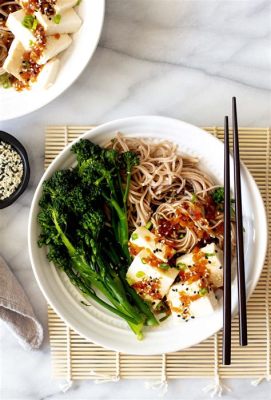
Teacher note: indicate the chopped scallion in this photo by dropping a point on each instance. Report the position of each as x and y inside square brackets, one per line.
[203, 291]
[134, 236]
[28, 21]
[209, 255]
[140, 274]
[149, 225]
[5, 81]
[57, 18]
[181, 266]
[164, 266]
[194, 198]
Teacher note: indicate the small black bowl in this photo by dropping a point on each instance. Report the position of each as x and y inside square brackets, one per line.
[17, 146]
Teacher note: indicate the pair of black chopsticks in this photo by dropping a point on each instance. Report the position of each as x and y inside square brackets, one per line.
[227, 241]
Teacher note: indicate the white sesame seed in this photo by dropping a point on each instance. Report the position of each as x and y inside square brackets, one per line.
[11, 170]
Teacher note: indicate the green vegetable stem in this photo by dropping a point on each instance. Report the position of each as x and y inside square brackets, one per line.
[83, 222]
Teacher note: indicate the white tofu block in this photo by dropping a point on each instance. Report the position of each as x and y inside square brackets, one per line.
[14, 24]
[47, 75]
[142, 271]
[13, 62]
[69, 22]
[62, 5]
[54, 46]
[185, 260]
[214, 263]
[142, 237]
[204, 306]
[200, 307]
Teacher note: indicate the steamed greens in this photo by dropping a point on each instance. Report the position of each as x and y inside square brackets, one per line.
[83, 220]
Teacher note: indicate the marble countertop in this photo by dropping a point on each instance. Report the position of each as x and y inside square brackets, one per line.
[183, 59]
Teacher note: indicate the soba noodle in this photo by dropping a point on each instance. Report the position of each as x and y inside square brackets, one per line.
[164, 184]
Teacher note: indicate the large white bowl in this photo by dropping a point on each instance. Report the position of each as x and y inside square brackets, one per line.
[94, 322]
[72, 63]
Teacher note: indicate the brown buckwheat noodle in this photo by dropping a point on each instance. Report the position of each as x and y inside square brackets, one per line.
[166, 181]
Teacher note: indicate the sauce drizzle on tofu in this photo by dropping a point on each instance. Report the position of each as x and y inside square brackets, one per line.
[148, 287]
[30, 68]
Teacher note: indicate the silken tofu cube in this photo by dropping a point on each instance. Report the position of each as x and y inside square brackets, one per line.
[215, 264]
[214, 257]
[54, 46]
[23, 34]
[204, 306]
[66, 22]
[62, 5]
[143, 238]
[190, 300]
[47, 75]
[13, 62]
[151, 283]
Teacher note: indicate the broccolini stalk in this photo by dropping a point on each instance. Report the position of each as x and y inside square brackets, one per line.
[139, 302]
[63, 219]
[103, 168]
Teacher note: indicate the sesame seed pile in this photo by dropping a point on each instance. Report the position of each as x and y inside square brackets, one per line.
[11, 170]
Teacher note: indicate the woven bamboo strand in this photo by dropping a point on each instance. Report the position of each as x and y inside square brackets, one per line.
[201, 360]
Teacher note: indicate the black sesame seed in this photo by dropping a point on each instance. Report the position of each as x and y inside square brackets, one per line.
[209, 262]
[220, 267]
[192, 316]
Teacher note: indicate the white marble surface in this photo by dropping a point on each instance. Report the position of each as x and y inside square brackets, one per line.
[184, 59]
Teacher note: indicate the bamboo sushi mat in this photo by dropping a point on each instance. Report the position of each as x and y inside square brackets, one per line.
[73, 357]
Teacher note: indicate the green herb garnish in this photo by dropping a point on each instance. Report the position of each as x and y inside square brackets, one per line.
[5, 81]
[218, 195]
[57, 19]
[194, 198]
[209, 254]
[164, 266]
[35, 24]
[149, 225]
[203, 291]
[130, 281]
[30, 22]
[140, 274]
[181, 266]
[134, 236]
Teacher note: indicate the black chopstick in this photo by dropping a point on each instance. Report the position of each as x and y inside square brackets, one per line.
[227, 251]
[239, 232]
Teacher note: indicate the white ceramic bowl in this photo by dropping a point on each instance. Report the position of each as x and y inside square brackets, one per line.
[94, 322]
[72, 63]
